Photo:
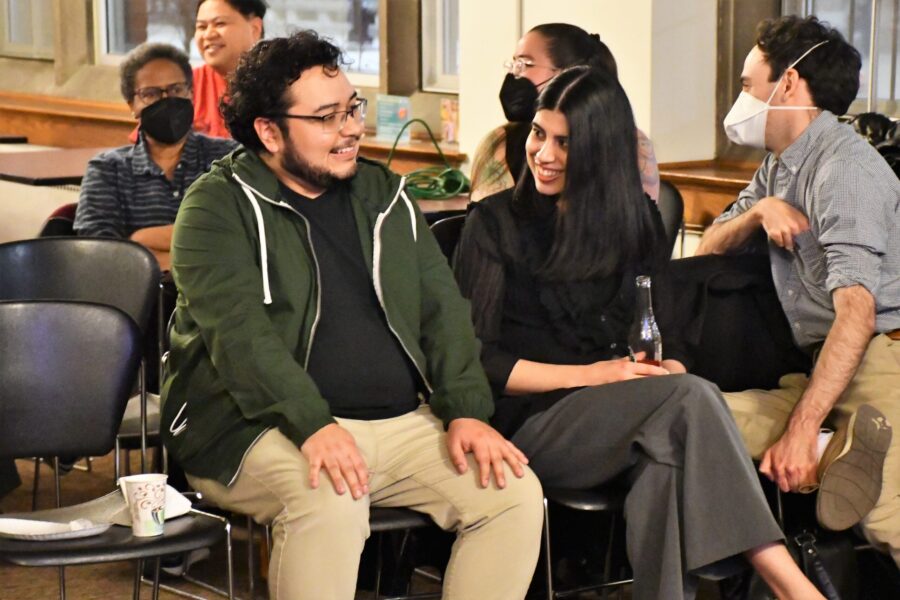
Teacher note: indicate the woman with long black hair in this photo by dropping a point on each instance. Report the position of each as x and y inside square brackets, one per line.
[550, 269]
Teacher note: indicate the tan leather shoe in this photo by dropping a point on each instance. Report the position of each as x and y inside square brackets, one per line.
[851, 469]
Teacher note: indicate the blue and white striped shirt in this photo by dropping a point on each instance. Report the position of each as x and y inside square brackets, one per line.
[852, 200]
[123, 190]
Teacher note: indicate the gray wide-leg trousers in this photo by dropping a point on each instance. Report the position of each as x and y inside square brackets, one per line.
[695, 499]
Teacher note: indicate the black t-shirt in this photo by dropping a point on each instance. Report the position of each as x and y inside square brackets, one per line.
[358, 365]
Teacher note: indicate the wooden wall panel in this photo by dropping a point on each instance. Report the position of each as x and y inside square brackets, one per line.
[64, 122]
[67, 123]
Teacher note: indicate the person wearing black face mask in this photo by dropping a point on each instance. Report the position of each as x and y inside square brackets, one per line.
[134, 192]
[540, 55]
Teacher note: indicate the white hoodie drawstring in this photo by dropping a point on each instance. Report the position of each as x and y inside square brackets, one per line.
[261, 228]
[412, 212]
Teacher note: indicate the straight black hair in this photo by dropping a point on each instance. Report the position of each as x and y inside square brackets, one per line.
[605, 224]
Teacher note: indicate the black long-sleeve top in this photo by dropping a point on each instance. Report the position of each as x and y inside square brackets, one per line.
[520, 315]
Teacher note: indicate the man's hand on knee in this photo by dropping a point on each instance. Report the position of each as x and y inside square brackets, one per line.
[334, 449]
[490, 449]
[791, 461]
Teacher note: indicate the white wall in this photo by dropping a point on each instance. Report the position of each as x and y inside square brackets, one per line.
[24, 208]
[488, 31]
[665, 50]
[624, 26]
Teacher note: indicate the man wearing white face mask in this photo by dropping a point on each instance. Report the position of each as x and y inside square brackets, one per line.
[830, 207]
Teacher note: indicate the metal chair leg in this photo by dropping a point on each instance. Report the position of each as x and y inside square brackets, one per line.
[251, 571]
[143, 393]
[156, 565]
[37, 479]
[230, 559]
[117, 460]
[607, 560]
[56, 481]
[138, 570]
[62, 583]
[551, 595]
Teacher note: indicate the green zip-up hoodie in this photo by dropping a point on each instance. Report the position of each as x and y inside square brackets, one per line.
[248, 305]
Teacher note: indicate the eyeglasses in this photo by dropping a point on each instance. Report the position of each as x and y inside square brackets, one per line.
[153, 94]
[517, 66]
[334, 121]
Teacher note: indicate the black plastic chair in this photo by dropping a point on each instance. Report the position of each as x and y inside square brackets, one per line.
[113, 272]
[66, 370]
[447, 232]
[607, 499]
[671, 209]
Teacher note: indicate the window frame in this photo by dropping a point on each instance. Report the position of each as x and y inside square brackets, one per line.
[10, 49]
[873, 102]
[433, 76]
[105, 57]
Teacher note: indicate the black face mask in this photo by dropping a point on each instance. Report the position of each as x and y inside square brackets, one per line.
[168, 120]
[517, 97]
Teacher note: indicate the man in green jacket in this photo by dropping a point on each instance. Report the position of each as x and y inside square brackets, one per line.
[315, 316]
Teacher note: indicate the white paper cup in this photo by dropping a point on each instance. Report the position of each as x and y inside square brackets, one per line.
[145, 496]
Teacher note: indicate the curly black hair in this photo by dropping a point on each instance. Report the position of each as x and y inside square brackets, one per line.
[259, 86]
[831, 71]
[145, 53]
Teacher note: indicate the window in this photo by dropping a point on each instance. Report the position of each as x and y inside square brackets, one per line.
[440, 45]
[351, 24]
[27, 28]
[879, 87]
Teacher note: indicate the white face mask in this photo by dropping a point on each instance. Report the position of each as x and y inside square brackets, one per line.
[745, 123]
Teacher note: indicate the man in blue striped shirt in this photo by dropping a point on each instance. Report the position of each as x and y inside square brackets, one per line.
[134, 191]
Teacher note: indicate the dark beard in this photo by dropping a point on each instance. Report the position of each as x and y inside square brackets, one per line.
[293, 163]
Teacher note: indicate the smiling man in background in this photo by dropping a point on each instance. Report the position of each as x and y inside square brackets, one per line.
[224, 30]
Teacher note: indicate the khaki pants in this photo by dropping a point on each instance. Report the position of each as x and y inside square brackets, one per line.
[319, 535]
[762, 415]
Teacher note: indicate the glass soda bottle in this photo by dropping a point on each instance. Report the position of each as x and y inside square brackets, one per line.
[644, 336]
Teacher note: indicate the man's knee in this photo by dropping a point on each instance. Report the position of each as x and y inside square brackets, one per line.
[326, 509]
[523, 497]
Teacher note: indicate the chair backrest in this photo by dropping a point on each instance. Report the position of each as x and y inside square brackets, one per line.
[118, 273]
[66, 371]
[671, 209]
[447, 232]
[60, 222]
